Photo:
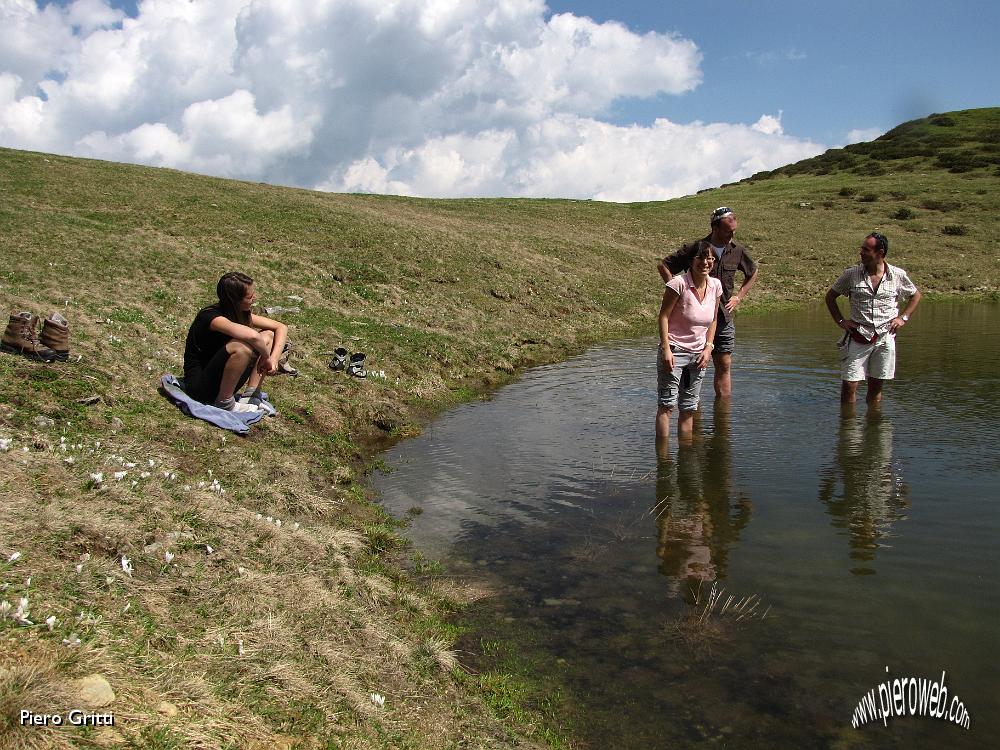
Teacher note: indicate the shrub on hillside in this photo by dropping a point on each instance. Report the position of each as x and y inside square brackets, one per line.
[962, 161]
[868, 198]
[903, 214]
[956, 230]
[936, 204]
[870, 168]
[847, 192]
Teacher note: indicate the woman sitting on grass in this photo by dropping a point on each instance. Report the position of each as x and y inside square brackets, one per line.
[688, 316]
[228, 346]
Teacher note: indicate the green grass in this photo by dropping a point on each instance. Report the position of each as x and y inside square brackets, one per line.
[450, 299]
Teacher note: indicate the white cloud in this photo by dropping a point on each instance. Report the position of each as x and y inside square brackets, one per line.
[860, 135]
[427, 97]
[769, 125]
[576, 157]
[88, 15]
[227, 137]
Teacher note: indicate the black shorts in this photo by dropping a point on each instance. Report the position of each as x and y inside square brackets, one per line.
[202, 383]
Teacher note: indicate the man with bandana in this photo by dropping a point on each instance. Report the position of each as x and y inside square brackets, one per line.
[730, 258]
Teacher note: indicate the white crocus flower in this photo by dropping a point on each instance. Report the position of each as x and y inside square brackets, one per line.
[72, 641]
[208, 549]
[127, 565]
[120, 475]
[169, 556]
[79, 568]
[98, 477]
[378, 699]
[50, 622]
[15, 557]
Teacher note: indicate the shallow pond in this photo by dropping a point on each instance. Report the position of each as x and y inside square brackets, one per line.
[870, 537]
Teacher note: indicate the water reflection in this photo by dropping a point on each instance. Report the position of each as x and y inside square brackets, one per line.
[863, 488]
[698, 518]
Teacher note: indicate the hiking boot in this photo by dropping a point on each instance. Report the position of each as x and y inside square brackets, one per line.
[283, 367]
[55, 335]
[21, 338]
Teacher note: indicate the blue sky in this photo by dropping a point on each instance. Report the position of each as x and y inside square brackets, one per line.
[830, 67]
[617, 101]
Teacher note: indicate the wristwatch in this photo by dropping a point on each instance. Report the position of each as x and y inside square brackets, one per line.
[906, 318]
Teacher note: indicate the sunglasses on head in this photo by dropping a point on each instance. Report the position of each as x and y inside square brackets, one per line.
[881, 241]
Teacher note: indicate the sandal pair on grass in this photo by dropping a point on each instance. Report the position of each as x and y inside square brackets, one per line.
[355, 366]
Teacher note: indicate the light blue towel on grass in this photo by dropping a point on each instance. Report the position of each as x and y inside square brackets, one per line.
[238, 422]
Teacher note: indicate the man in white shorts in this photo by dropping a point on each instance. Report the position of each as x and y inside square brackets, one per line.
[868, 348]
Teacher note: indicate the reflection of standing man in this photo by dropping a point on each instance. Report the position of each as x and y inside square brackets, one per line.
[863, 490]
[868, 349]
[729, 258]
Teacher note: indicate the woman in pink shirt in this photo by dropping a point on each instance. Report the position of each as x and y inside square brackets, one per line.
[687, 328]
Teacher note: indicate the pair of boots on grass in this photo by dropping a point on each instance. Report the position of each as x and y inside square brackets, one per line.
[21, 337]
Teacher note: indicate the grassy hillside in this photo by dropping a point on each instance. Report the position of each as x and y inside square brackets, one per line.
[281, 633]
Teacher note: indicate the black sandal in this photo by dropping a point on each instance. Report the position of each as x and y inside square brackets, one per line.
[339, 361]
[357, 365]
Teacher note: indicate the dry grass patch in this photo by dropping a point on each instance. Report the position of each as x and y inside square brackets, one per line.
[715, 618]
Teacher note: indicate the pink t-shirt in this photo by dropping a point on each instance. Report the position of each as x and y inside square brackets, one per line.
[688, 323]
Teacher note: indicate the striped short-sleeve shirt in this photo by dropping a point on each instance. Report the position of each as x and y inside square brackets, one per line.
[873, 309]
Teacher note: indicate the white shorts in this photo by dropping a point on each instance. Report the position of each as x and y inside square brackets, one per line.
[861, 361]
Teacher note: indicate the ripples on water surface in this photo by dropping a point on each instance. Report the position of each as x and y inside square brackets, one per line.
[873, 538]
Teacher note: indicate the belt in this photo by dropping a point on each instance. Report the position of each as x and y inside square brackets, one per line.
[861, 339]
